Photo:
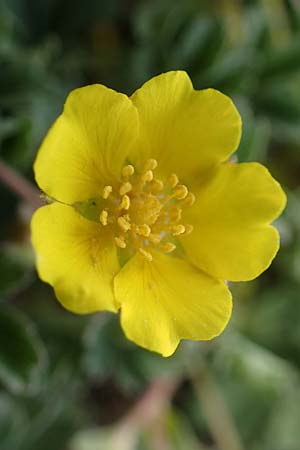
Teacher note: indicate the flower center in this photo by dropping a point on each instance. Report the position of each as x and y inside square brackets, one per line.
[146, 212]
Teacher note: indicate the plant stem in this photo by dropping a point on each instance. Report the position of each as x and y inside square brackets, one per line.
[20, 186]
[148, 408]
[215, 409]
[153, 402]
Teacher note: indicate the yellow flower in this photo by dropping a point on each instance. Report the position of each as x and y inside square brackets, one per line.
[149, 216]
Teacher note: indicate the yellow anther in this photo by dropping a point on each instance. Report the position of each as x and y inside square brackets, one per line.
[188, 228]
[156, 185]
[103, 217]
[151, 164]
[106, 192]
[120, 242]
[125, 188]
[146, 254]
[178, 229]
[127, 171]
[146, 210]
[154, 238]
[175, 214]
[125, 202]
[143, 230]
[181, 191]
[123, 223]
[147, 176]
[190, 199]
[167, 247]
[173, 180]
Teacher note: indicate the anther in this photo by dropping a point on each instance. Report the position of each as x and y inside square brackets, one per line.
[103, 217]
[188, 228]
[180, 191]
[154, 238]
[178, 229]
[125, 188]
[167, 247]
[156, 185]
[128, 171]
[190, 199]
[143, 230]
[147, 176]
[153, 207]
[123, 223]
[173, 180]
[146, 254]
[151, 164]
[120, 242]
[106, 192]
[125, 202]
[175, 214]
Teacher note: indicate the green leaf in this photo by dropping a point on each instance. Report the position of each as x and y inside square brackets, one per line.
[193, 42]
[230, 71]
[181, 433]
[281, 62]
[22, 355]
[283, 430]
[107, 353]
[107, 438]
[178, 433]
[256, 134]
[253, 381]
[280, 101]
[16, 269]
[13, 418]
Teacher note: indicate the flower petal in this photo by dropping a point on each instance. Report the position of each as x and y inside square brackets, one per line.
[75, 257]
[168, 299]
[232, 238]
[187, 131]
[87, 145]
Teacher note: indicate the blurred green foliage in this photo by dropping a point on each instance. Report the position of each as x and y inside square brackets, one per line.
[67, 381]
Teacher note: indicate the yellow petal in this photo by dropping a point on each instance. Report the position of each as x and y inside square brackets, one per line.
[187, 131]
[166, 300]
[75, 257]
[232, 238]
[87, 145]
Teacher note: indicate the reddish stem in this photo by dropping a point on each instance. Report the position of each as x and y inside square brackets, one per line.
[20, 186]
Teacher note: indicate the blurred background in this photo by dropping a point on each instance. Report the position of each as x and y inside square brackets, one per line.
[75, 383]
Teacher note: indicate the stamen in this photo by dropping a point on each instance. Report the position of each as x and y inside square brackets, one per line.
[175, 214]
[124, 223]
[154, 238]
[142, 230]
[156, 186]
[167, 247]
[147, 176]
[181, 191]
[145, 212]
[128, 171]
[103, 217]
[120, 242]
[173, 180]
[190, 199]
[106, 192]
[188, 228]
[125, 188]
[178, 229]
[125, 202]
[146, 254]
[151, 164]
